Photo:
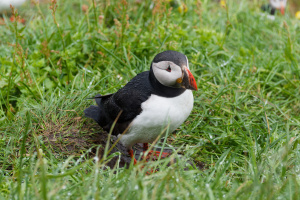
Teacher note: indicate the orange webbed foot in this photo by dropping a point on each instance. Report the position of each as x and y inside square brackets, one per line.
[153, 155]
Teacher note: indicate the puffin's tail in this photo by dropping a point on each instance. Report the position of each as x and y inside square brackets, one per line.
[95, 112]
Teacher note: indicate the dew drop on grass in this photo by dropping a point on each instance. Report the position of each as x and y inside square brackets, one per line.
[226, 62]
[87, 70]
[96, 158]
[91, 83]
[119, 77]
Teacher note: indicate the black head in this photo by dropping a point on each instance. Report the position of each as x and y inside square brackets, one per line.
[171, 69]
[173, 56]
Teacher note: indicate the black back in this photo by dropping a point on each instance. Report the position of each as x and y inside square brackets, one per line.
[269, 9]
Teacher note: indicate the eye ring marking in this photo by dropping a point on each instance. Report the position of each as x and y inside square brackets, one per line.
[169, 69]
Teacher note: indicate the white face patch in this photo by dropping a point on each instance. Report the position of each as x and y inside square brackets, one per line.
[278, 3]
[166, 72]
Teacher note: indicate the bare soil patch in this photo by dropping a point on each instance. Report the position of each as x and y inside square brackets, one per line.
[80, 136]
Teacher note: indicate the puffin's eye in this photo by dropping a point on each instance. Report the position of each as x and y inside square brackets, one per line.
[169, 69]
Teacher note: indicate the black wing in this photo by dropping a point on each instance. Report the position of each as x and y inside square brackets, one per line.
[129, 99]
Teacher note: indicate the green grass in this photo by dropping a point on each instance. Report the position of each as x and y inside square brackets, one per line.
[245, 123]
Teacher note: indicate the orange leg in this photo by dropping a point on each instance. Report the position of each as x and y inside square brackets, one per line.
[135, 161]
[132, 156]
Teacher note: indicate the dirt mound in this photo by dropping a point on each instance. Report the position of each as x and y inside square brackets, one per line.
[81, 136]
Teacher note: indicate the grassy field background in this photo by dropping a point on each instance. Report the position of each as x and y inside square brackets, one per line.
[244, 127]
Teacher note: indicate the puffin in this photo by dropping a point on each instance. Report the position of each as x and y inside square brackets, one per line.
[274, 5]
[148, 103]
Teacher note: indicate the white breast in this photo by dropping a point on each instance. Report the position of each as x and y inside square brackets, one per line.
[158, 112]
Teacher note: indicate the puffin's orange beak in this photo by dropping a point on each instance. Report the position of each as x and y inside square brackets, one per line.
[191, 83]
